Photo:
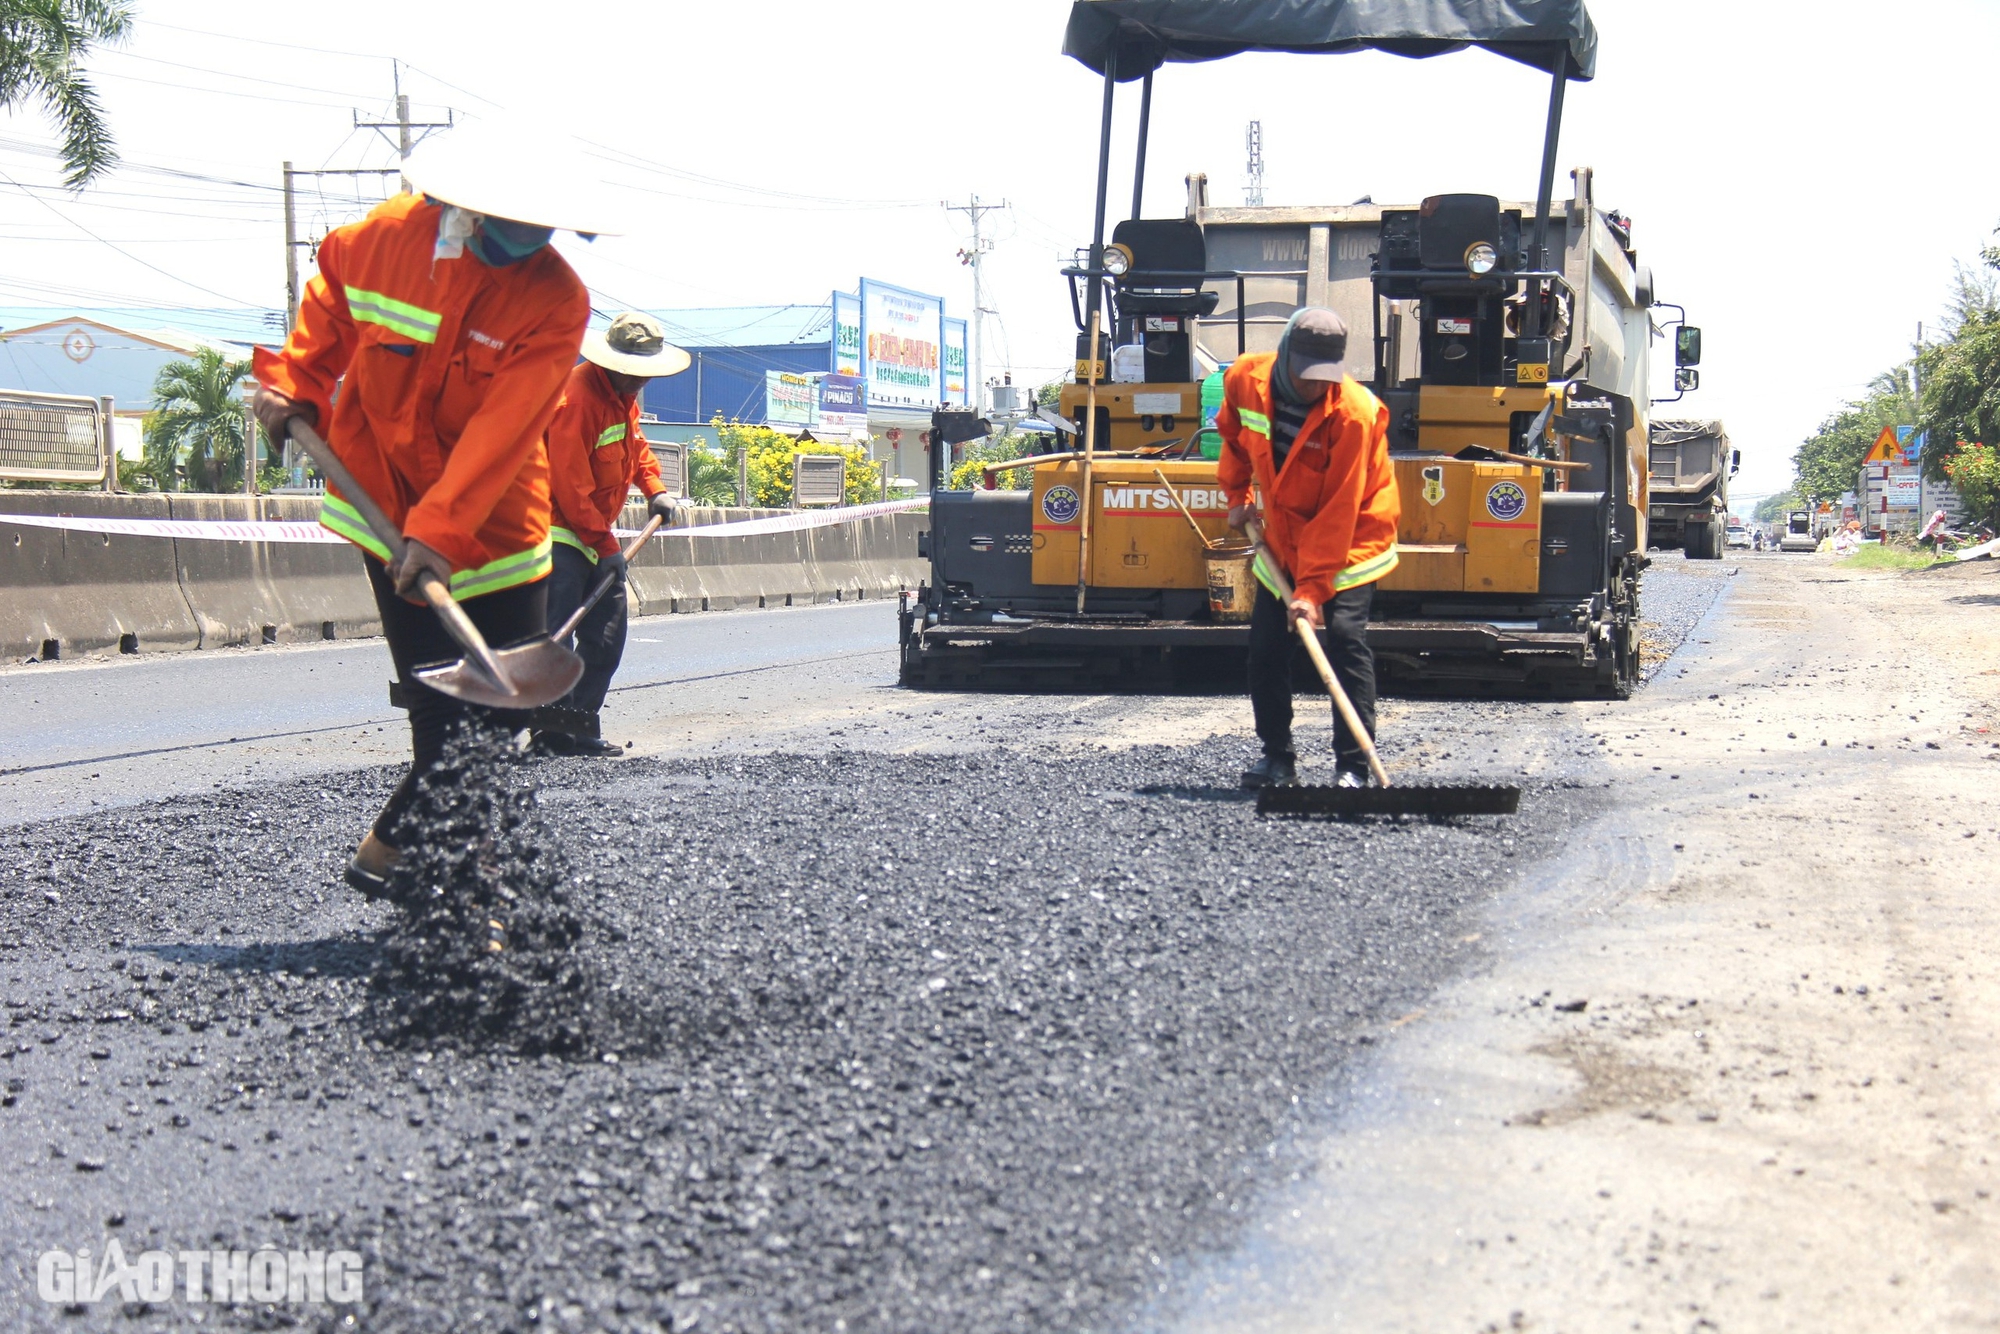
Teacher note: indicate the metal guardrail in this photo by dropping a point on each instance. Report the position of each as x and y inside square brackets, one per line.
[53, 437]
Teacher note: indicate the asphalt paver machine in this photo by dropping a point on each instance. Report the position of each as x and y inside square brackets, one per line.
[1511, 343]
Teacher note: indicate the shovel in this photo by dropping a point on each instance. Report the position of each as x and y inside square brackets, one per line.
[568, 627]
[1385, 799]
[527, 677]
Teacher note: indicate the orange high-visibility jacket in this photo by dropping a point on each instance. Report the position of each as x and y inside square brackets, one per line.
[596, 454]
[1330, 514]
[447, 371]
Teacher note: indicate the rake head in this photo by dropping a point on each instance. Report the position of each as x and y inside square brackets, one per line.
[1306, 799]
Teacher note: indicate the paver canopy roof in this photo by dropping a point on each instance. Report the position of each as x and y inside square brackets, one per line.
[1149, 33]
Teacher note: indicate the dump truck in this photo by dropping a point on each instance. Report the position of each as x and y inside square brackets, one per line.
[1510, 340]
[1688, 465]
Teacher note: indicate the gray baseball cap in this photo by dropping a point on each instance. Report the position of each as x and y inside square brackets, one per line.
[1317, 345]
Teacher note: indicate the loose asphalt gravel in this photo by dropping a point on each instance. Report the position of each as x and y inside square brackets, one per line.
[848, 1041]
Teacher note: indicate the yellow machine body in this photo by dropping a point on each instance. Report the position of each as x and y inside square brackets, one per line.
[1468, 526]
[1141, 416]
[1138, 536]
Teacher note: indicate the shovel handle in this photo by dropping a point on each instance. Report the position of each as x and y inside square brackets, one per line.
[436, 592]
[378, 523]
[461, 628]
[1318, 654]
[568, 627]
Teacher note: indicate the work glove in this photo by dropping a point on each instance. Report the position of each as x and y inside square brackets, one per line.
[664, 505]
[417, 558]
[613, 564]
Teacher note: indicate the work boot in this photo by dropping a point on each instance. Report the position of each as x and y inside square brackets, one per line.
[1353, 778]
[1274, 770]
[368, 870]
[586, 747]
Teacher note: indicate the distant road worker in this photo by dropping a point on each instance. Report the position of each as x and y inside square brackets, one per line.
[448, 325]
[597, 454]
[1315, 445]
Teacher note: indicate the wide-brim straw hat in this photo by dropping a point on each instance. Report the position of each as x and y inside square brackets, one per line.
[520, 174]
[635, 344]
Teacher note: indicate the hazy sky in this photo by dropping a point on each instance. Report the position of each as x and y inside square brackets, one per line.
[1801, 177]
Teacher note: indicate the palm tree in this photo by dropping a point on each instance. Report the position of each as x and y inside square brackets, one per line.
[194, 435]
[42, 47]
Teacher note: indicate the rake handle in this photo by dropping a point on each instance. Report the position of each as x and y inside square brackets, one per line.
[436, 592]
[1341, 702]
[568, 627]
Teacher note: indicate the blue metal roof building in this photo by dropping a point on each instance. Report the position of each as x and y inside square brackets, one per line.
[732, 347]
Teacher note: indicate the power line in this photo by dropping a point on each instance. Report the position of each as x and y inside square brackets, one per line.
[128, 254]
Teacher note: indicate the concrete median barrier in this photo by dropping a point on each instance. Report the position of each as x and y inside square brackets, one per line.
[66, 592]
[270, 592]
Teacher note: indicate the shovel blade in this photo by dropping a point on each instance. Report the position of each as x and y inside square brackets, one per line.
[532, 675]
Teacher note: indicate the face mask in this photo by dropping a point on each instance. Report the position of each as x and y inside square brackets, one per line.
[456, 226]
[503, 242]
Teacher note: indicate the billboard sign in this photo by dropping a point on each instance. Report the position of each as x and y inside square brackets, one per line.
[901, 333]
[846, 334]
[843, 403]
[955, 369]
[789, 399]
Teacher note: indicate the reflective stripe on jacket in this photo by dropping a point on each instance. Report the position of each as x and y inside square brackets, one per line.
[596, 455]
[1330, 514]
[448, 370]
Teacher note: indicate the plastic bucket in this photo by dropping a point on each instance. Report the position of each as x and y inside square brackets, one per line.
[1232, 588]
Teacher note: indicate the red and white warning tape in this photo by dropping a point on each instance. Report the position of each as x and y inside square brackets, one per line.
[210, 530]
[788, 523]
[267, 530]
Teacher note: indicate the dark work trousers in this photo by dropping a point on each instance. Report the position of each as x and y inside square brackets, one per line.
[418, 639]
[600, 640]
[1345, 639]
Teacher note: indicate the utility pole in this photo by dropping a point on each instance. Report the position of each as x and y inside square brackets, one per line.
[972, 256]
[402, 125]
[292, 241]
[1253, 147]
[291, 254]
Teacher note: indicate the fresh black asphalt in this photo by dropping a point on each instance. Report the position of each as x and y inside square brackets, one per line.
[856, 1040]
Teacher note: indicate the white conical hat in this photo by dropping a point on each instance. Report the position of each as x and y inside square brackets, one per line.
[518, 173]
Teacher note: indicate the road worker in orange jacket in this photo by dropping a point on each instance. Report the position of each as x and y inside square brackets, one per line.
[1315, 446]
[429, 350]
[597, 454]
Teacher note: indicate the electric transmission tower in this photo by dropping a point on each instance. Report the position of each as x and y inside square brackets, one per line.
[1253, 167]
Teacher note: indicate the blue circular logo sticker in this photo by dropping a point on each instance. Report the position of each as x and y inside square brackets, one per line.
[1506, 501]
[1060, 504]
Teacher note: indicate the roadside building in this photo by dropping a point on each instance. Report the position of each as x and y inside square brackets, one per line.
[115, 353]
[867, 368]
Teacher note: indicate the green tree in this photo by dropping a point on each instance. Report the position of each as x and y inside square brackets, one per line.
[1829, 462]
[43, 44]
[1974, 472]
[1961, 373]
[194, 435]
[713, 480]
[970, 473]
[1772, 508]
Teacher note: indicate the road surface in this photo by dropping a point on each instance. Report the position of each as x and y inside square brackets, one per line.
[896, 1011]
